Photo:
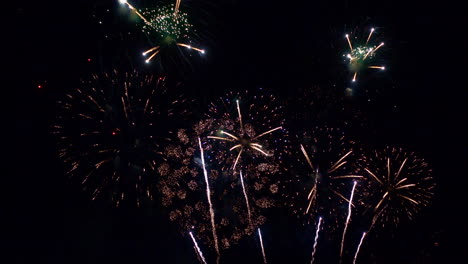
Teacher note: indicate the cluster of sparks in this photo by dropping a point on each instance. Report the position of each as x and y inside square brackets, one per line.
[105, 133]
[108, 136]
[360, 55]
[169, 23]
[391, 183]
[327, 157]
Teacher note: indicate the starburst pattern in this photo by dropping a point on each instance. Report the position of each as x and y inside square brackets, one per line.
[321, 183]
[109, 136]
[361, 55]
[400, 184]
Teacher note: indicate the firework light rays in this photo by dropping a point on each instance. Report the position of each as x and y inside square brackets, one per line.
[109, 135]
[166, 25]
[361, 56]
[400, 184]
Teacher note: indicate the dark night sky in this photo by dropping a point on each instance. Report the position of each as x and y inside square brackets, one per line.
[280, 45]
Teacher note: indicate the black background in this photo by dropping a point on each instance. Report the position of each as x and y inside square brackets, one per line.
[280, 45]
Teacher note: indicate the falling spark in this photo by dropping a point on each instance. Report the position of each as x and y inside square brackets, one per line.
[336, 165]
[359, 247]
[370, 34]
[134, 10]
[190, 47]
[261, 244]
[246, 198]
[347, 219]
[268, 132]
[240, 117]
[199, 252]
[307, 157]
[349, 42]
[377, 67]
[154, 54]
[316, 240]
[213, 226]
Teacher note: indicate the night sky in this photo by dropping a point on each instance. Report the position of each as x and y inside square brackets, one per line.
[282, 46]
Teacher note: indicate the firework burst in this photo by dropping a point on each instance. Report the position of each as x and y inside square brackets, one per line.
[328, 158]
[238, 197]
[399, 184]
[167, 25]
[247, 130]
[108, 134]
[362, 55]
[183, 192]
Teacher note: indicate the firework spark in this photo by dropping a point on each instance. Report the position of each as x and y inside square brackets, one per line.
[359, 247]
[316, 240]
[347, 219]
[198, 251]
[360, 55]
[261, 245]
[208, 195]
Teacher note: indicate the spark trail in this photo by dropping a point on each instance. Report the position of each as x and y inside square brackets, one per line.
[316, 240]
[359, 247]
[213, 225]
[347, 220]
[246, 198]
[361, 54]
[154, 20]
[261, 244]
[197, 248]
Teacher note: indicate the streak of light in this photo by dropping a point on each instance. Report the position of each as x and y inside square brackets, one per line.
[208, 195]
[359, 247]
[261, 244]
[347, 220]
[199, 252]
[316, 240]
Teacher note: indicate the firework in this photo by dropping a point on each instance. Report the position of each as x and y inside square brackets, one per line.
[316, 240]
[183, 192]
[327, 167]
[197, 248]
[257, 137]
[208, 195]
[246, 197]
[108, 134]
[245, 140]
[361, 56]
[400, 184]
[240, 201]
[167, 25]
[348, 218]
